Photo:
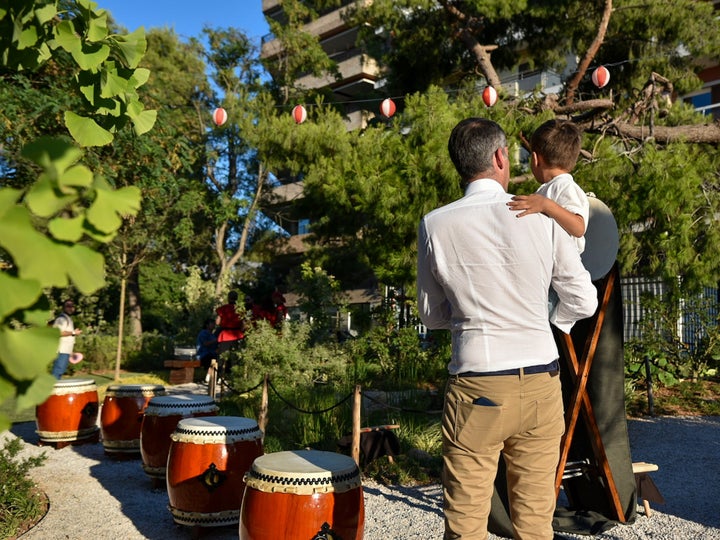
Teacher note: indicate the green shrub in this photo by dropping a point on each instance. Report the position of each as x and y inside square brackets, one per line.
[20, 501]
[287, 357]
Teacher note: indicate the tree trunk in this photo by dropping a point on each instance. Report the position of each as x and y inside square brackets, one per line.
[134, 306]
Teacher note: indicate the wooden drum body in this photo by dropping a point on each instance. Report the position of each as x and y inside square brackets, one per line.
[70, 414]
[160, 420]
[206, 466]
[121, 417]
[302, 495]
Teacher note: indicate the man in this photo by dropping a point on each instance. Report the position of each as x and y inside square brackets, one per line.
[485, 276]
[64, 323]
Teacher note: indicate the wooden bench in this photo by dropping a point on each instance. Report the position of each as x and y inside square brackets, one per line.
[182, 371]
[645, 487]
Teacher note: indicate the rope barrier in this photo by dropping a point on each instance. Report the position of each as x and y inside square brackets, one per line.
[286, 402]
[401, 409]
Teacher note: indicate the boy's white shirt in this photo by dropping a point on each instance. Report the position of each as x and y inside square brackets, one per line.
[564, 190]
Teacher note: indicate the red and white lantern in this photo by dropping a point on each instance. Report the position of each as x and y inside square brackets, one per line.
[387, 107]
[601, 76]
[299, 114]
[219, 116]
[489, 96]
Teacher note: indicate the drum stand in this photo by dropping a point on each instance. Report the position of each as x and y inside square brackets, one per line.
[580, 401]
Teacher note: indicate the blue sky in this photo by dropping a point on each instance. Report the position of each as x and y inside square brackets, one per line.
[187, 17]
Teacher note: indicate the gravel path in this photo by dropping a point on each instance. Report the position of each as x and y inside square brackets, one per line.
[94, 497]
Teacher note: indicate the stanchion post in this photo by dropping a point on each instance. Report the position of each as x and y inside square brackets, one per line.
[357, 404]
[213, 378]
[263, 416]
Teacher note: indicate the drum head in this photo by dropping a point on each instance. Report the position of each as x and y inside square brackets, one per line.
[180, 404]
[132, 390]
[304, 472]
[216, 429]
[601, 240]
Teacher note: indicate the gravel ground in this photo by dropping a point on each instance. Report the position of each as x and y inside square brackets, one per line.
[95, 497]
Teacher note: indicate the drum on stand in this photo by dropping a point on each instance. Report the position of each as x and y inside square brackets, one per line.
[206, 466]
[121, 417]
[69, 414]
[601, 240]
[302, 495]
[160, 419]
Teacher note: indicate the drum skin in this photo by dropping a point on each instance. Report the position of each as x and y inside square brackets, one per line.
[286, 498]
[121, 417]
[206, 466]
[160, 419]
[70, 413]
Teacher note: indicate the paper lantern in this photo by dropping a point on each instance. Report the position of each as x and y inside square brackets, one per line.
[387, 107]
[489, 96]
[601, 76]
[219, 116]
[299, 114]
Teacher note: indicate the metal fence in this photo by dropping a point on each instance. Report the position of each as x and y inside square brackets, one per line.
[688, 325]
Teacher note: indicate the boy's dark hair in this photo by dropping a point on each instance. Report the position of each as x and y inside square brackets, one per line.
[558, 143]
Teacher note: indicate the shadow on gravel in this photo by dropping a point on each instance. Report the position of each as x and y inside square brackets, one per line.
[428, 499]
[687, 452]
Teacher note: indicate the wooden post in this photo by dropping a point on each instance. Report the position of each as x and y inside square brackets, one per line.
[357, 404]
[263, 416]
[212, 390]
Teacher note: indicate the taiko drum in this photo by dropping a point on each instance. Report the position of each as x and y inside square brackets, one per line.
[160, 419]
[70, 413]
[302, 494]
[121, 417]
[206, 466]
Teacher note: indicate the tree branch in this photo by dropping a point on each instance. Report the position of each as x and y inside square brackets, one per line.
[589, 54]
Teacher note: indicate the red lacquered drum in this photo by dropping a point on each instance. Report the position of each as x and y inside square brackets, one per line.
[121, 417]
[303, 494]
[159, 421]
[70, 413]
[206, 465]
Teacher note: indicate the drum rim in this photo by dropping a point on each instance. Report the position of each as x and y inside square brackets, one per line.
[263, 478]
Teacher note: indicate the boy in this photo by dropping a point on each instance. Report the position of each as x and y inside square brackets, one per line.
[555, 147]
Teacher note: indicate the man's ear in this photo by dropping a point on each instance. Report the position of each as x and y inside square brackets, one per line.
[501, 156]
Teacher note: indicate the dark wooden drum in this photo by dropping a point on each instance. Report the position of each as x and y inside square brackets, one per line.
[121, 417]
[302, 495]
[160, 420]
[206, 466]
[70, 414]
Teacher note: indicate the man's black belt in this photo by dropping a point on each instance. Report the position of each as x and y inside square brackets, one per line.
[553, 368]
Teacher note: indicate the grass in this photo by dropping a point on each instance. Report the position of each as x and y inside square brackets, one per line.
[687, 398]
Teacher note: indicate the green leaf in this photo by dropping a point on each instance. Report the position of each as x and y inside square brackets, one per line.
[45, 13]
[55, 155]
[67, 229]
[37, 392]
[139, 77]
[26, 353]
[8, 198]
[105, 212]
[144, 121]
[32, 252]
[91, 55]
[17, 294]
[113, 84]
[97, 29]
[28, 38]
[86, 131]
[66, 37]
[44, 200]
[131, 46]
[77, 176]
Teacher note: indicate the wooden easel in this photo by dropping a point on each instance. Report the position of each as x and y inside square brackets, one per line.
[580, 401]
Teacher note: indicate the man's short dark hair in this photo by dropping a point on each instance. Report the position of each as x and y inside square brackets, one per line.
[472, 145]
